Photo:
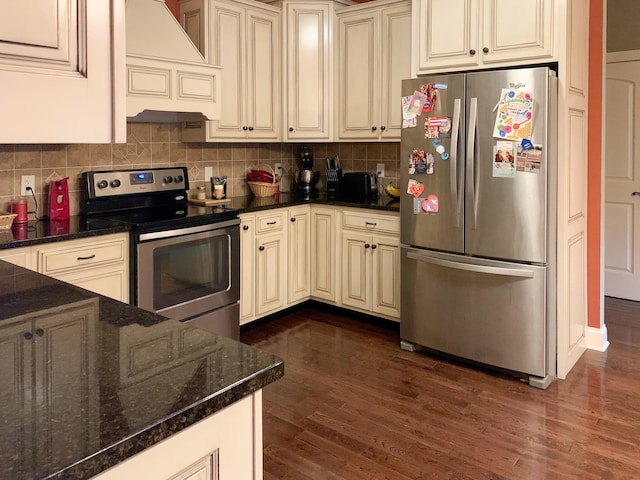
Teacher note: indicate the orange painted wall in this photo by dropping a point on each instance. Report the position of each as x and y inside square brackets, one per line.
[594, 181]
[174, 7]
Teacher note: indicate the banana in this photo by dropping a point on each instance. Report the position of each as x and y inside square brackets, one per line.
[392, 191]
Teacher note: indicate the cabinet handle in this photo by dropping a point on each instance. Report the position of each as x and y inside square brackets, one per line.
[245, 128]
[293, 219]
[271, 223]
[291, 129]
[27, 335]
[383, 128]
[39, 332]
[374, 246]
[472, 52]
[245, 227]
[635, 194]
[373, 224]
[373, 129]
[251, 129]
[485, 50]
[261, 248]
[366, 245]
[87, 258]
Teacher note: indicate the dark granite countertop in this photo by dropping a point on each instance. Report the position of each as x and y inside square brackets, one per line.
[88, 381]
[252, 204]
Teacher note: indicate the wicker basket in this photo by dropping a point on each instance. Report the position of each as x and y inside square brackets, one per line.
[6, 220]
[264, 189]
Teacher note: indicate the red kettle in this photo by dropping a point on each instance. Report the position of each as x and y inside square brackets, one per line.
[59, 199]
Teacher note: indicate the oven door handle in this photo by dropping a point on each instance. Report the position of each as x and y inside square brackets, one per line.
[189, 230]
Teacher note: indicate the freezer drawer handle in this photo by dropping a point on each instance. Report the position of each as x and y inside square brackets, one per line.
[507, 272]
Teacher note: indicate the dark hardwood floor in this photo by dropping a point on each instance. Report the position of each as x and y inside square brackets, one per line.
[352, 405]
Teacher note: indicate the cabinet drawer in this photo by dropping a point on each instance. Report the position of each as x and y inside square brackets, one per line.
[269, 222]
[69, 258]
[371, 223]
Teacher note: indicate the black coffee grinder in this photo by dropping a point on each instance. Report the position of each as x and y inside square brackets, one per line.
[305, 178]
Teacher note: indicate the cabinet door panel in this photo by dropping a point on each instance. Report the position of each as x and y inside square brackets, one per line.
[263, 73]
[270, 273]
[395, 66]
[247, 268]
[227, 50]
[517, 30]
[323, 241]
[298, 280]
[356, 267]
[62, 46]
[308, 72]
[448, 32]
[358, 76]
[386, 276]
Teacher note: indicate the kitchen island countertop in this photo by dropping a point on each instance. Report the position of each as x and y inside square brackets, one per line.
[87, 382]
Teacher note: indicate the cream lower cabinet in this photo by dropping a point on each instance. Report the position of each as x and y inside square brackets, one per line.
[225, 445]
[371, 263]
[468, 34]
[298, 251]
[374, 56]
[323, 248]
[99, 264]
[50, 353]
[247, 267]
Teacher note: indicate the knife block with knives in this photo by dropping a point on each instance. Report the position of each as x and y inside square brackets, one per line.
[334, 176]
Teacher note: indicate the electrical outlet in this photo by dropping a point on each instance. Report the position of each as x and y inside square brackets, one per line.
[208, 173]
[27, 181]
[278, 169]
[380, 170]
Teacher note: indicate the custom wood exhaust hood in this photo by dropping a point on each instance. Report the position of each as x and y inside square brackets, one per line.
[168, 80]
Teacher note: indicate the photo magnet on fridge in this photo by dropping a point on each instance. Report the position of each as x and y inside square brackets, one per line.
[417, 163]
[430, 204]
[408, 117]
[429, 91]
[504, 159]
[530, 161]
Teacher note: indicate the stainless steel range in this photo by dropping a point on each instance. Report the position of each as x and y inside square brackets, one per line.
[185, 260]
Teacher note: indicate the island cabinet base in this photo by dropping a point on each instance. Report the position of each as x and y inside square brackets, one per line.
[225, 445]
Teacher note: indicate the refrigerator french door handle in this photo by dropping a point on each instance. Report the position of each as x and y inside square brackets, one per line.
[472, 149]
[453, 162]
[469, 267]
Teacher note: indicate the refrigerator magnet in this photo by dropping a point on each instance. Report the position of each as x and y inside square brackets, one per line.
[416, 160]
[514, 118]
[435, 127]
[429, 164]
[417, 205]
[408, 117]
[430, 204]
[530, 161]
[415, 188]
[526, 144]
[429, 91]
[504, 159]
[417, 101]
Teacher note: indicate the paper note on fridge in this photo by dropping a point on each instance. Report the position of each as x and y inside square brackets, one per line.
[514, 119]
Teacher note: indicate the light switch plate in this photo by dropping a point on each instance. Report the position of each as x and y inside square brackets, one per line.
[208, 173]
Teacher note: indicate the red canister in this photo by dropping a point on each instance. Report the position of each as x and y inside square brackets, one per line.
[19, 207]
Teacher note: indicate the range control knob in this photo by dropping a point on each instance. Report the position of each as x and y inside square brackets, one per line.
[167, 179]
[115, 183]
[103, 184]
[179, 179]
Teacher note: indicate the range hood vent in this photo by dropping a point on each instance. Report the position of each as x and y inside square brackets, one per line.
[168, 80]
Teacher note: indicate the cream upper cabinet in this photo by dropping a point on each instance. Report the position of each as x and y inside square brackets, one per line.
[374, 56]
[243, 37]
[299, 248]
[193, 18]
[62, 65]
[308, 72]
[467, 34]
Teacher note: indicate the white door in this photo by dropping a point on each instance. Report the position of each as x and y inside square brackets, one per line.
[622, 181]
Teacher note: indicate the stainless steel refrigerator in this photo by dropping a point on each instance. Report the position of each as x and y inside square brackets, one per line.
[478, 222]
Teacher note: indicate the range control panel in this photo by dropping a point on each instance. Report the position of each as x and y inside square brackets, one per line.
[127, 182]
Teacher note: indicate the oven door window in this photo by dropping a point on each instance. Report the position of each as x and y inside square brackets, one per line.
[190, 270]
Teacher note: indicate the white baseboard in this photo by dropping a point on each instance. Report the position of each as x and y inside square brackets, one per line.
[597, 338]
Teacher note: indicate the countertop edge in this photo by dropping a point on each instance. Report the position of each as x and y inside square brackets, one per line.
[138, 442]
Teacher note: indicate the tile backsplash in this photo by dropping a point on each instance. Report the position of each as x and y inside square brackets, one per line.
[159, 145]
